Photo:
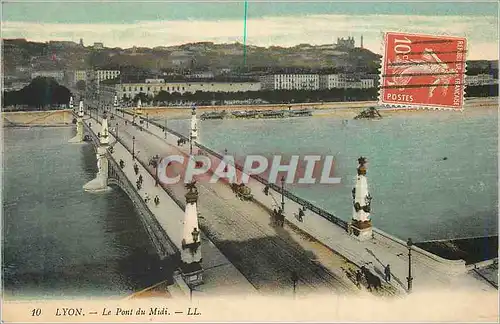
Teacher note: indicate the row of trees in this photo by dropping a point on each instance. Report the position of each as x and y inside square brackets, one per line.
[271, 96]
[482, 91]
[288, 96]
[41, 94]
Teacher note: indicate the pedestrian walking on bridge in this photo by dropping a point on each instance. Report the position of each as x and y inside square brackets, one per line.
[301, 214]
[387, 272]
[359, 277]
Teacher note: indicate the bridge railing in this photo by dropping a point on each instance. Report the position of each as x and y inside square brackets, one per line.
[158, 237]
[139, 200]
[146, 167]
[323, 213]
[179, 203]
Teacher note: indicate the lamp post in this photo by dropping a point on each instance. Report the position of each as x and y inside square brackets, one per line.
[155, 164]
[191, 289]
[133, 148]
[409, 244]
[295, 278]
[165, 130]
[283, 194]
[117, 131]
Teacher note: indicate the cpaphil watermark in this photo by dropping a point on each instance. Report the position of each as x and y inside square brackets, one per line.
[294, 169]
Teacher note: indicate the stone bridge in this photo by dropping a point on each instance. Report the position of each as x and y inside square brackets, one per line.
[38, 118]
[115, 176]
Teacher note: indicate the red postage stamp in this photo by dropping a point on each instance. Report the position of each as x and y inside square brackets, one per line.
[423, 71]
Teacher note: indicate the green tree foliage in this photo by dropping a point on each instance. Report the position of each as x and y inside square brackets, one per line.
[80, 85]
[482, 91]
[144, 97]
[276, 96]
[163, 96]
[41, 94]
[297, 96]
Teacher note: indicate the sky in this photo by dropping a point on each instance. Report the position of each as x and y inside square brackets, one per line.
[165, 23]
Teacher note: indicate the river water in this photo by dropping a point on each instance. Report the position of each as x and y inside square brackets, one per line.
[416, 193]
[60, 241]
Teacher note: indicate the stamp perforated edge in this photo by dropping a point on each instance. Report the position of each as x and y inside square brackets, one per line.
[401, 106]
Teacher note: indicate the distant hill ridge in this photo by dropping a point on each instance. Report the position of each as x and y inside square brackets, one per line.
[58, 55]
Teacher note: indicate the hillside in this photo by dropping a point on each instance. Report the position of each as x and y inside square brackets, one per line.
[20, 56]
[194, 56]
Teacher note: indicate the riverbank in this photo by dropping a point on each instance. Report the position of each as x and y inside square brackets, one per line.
[37, 118]
[344, 110]
[471, 250]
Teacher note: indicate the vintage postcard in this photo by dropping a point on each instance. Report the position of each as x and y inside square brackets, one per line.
[249, 161]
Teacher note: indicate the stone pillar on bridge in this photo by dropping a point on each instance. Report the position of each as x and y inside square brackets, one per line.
[79, 126]
[193, 134]
[137, 110]
[361, 225]
[191, 269]
[115, 103]
[100, 182]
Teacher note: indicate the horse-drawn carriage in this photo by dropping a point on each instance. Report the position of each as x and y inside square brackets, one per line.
[278, 217]
[242, 192]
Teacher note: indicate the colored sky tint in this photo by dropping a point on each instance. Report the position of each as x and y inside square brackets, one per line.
[130, 12]
[149, 24]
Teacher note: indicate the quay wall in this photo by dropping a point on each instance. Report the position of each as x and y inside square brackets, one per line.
[183, 111]
[38, 118]
[344, 109]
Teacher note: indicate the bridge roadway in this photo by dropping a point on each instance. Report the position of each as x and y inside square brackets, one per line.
[266, 255]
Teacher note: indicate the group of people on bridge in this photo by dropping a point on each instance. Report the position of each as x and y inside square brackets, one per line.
[372, 281]
[279, 216]
[139, 186]
[147, 199]
[136, 125]
[181, 141]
